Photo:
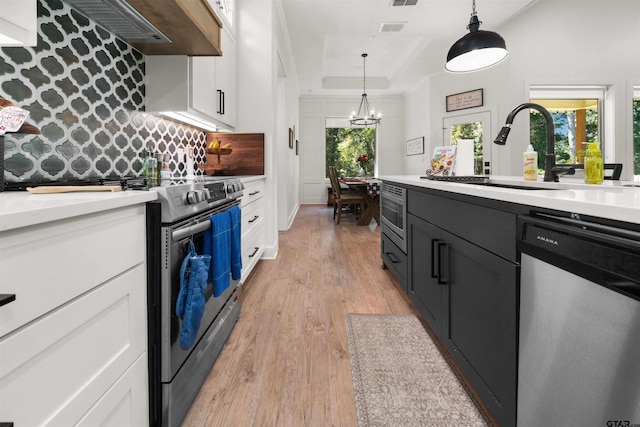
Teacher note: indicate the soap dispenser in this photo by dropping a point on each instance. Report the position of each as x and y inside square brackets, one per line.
[530, 164]
[593, 164]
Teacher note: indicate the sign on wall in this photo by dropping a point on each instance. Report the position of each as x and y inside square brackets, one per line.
[415, 146]
[464, 100]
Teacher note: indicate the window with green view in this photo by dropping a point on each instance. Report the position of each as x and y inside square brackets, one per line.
[343, 147]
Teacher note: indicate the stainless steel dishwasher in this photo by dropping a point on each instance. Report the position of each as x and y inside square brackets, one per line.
[579, 341]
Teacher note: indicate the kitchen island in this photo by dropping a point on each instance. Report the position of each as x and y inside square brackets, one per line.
[462, 266]
[73, 326]
[613, 200]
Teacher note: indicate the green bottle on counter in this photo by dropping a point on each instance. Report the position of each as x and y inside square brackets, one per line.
[593, 164]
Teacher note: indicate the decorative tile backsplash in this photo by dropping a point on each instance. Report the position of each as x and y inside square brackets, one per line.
[84, 89]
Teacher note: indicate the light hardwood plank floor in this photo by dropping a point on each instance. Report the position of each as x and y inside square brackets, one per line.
[287, 360]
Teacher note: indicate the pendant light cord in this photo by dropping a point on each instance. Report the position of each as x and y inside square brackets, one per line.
[364, 73]
[474, 22]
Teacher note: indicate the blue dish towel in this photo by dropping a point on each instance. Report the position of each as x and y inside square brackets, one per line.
[219, 248]
[194, 274]
[236, 251]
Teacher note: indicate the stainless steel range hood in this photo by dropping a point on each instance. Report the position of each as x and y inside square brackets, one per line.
[121, 19]
[167, 27]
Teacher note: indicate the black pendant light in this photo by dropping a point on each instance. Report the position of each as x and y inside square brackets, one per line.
[477, 50]
[366, 116]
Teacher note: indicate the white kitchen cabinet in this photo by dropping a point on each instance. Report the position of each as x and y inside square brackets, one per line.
[225, 11]
[200, 88]
[253, 230]
[226, 79]
[73, 342]
[18, 23]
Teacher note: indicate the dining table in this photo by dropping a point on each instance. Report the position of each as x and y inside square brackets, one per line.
[370, 189]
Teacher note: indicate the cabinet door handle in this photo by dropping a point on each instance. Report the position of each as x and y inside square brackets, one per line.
[434, 253]
[392, 257]
[6, 299]
[443, 263]
[254, 218]
[254, 193]
[255, 251]
[222, 108]
[220, 101]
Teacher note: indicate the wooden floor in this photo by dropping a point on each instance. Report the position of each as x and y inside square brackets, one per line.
[287, 360]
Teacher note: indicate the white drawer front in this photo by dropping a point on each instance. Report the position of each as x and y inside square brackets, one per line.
[126, 403]
[60, 365]
[252, 249]
[253, 190]
[252, 215]
[46, 266]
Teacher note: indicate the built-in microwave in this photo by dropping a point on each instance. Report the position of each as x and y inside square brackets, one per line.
[393, 211]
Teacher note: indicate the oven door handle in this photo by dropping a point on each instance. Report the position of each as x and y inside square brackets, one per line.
[191, 230]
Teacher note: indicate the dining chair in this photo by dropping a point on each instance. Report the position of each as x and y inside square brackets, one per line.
[343, 200]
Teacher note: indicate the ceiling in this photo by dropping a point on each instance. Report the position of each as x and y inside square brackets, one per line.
[328, 38]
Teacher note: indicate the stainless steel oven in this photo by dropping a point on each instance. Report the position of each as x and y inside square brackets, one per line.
[393, 212]
[181, 219]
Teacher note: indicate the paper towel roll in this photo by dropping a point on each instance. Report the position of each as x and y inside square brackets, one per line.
[464, 158]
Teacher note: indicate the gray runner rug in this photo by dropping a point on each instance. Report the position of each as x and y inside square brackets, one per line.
[400, 378]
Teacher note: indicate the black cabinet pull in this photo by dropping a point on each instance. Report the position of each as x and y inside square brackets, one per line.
[443, 264]
[220, 101]
[434, 252]
[392, 257]
[254, 193]
[255, 251]
[6, 299]
[254, 218]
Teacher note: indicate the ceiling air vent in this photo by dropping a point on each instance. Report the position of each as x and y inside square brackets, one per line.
[403, 2]
[392, 27]
[121, 19]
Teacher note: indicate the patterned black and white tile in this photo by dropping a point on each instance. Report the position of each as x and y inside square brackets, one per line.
[84, 89]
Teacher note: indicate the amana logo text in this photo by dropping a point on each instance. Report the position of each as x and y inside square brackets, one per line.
[546, 239]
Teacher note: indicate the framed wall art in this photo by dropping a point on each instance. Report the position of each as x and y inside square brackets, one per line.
[415, 146]
[464, 100]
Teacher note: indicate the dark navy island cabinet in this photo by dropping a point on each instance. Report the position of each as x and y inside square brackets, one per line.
[463, 276]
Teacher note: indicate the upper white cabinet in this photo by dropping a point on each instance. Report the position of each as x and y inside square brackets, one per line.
[18, 23]
[199, 90]
[226, 79]
[225, 10]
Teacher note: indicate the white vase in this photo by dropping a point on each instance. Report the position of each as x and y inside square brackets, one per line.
[361, 172]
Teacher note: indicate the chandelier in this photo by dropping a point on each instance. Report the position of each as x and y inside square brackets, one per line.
[366, 116]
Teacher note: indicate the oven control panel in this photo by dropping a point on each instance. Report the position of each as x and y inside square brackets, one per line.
[180, 199]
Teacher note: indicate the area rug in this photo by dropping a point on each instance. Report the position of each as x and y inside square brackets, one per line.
[401, 379]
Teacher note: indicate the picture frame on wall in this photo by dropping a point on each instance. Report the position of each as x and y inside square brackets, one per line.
[290, 138]
[464, 100]
[415, 146]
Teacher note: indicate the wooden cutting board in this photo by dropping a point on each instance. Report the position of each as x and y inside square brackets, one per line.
[52, 189]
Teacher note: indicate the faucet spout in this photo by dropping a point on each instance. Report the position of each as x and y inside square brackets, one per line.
[550, 155]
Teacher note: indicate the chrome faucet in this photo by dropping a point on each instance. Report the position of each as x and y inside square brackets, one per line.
[551, 171]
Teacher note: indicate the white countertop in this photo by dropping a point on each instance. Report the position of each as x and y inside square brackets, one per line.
[21, 208]
[610, 200]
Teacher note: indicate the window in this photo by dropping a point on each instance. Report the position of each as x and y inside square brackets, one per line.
[471, 133]
[577, 113]
[636, 133]
[345, 144]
